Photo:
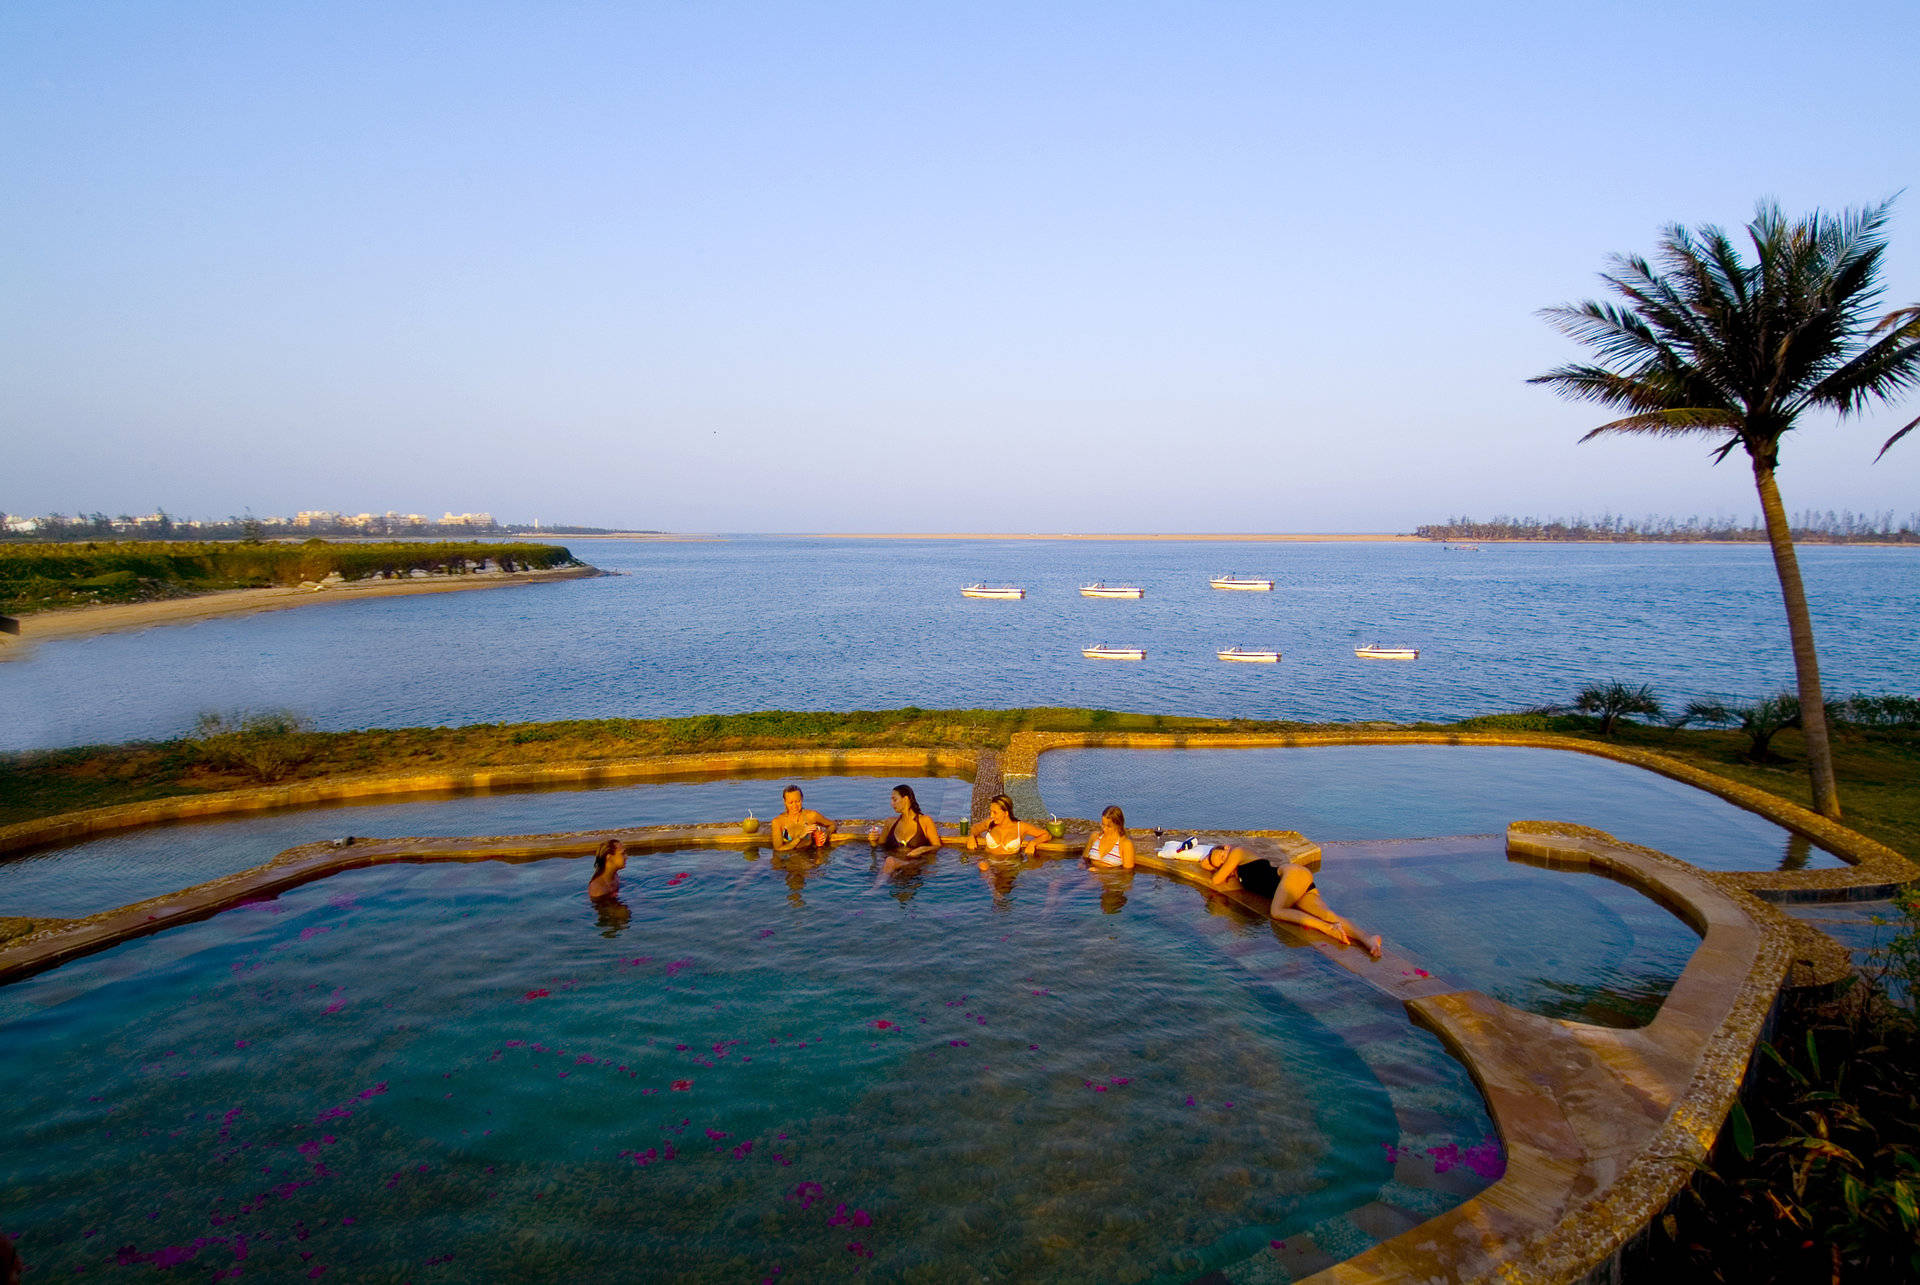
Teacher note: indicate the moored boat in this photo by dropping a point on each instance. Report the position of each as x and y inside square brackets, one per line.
[1106, 651]
[1099, 589]
[992, 591]
[1258, 584]
[1249, 655]
[1373, 651]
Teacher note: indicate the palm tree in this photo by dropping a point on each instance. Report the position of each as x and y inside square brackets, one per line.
[1713, 345]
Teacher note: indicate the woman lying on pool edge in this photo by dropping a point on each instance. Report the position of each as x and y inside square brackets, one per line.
[1296, 899]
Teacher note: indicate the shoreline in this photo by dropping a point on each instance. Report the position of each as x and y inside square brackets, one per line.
[1137, 536]
[84, 622]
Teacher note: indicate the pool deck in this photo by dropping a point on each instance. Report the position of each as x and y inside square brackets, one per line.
[1601, 1127]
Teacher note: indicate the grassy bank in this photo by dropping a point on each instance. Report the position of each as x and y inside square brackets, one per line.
[39, 576]
[1879, 769]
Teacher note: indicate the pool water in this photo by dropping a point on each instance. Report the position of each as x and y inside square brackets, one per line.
[1568, 945]
[85, 878]
[1415, 791]
[467, 1071]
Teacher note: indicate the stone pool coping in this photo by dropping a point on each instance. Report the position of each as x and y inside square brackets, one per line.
[1873, 871]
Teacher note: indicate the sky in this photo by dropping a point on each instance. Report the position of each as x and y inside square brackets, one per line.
[897, 267]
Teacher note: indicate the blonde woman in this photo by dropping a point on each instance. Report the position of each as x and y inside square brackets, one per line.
[1111, 848]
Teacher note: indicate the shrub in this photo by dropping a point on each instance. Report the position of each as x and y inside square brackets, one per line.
[264, 744]
[1613, 701]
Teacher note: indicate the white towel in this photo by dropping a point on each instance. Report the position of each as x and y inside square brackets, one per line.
[1176, 849]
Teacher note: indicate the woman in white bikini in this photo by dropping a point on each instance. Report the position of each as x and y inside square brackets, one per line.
[1004, 835]
[1296, 899]
[1111, 847]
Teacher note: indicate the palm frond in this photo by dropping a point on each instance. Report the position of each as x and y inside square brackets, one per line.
[1704, 339]
[1671, 423]
[1888, 445]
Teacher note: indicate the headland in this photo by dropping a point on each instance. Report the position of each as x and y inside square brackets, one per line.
[80, 622]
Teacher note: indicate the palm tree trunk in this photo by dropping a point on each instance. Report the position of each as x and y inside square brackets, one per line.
[1806, 661]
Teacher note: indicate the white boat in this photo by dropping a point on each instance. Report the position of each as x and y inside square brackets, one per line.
[1099, 589]
[992, 591]
[1259, 584]
[1373, 651]
[1104, 651]
[1249, 655]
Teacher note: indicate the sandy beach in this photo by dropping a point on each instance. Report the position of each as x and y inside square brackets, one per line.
[80, 622]
[1377, 538]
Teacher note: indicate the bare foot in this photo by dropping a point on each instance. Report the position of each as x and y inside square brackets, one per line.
[1338, 932]
[1373, 945]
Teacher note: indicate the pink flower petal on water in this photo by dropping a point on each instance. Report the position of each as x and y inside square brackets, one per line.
[539, 992]
[882, 1024]
[681, 1086]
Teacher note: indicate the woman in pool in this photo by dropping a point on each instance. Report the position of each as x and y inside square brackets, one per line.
[912, 832]
[1111, 847]
[609, 859]
[1003, 834]
[1295, 898]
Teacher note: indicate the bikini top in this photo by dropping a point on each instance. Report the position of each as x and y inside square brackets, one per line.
[1111, 857]
[1011, 845]
[893, 841]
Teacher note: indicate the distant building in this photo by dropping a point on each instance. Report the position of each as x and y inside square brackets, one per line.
[316, 517]
[467, 519]
[23, 526]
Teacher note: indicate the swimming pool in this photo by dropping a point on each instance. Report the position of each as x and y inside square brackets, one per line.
[466, 1071]
[1414, 791]
[85, 878]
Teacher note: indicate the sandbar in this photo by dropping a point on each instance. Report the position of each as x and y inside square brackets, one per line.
[1221, 538]
[81, 622]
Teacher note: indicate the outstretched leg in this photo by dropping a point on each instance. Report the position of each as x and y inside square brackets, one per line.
[1298, 902]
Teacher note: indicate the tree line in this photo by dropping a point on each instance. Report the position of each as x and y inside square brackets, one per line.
[1808, 527]
[36, 576]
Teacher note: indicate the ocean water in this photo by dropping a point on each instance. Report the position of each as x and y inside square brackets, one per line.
[788, 623]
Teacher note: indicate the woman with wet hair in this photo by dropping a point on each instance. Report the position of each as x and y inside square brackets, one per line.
[912, 833]
[1296, 899]
[1111, 847]
[609, 859]
[1004, 834]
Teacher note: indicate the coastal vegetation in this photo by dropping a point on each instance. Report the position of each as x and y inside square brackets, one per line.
[1844, 527]
[1611, 701]
[39, 576]
[1713, 345]
[1817, 1174]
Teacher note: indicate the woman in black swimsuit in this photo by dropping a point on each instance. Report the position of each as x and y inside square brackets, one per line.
[1295, 898]
[912, 833]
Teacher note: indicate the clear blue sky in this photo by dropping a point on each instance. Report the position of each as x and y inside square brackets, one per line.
[724, 266]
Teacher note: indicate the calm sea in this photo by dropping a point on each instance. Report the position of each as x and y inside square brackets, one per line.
[762, 622]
